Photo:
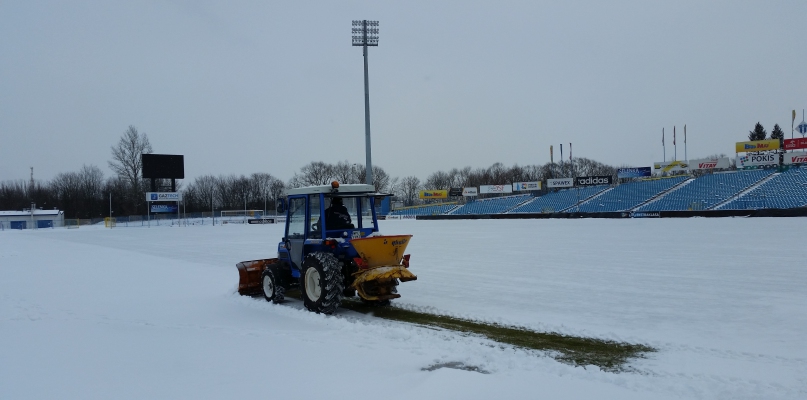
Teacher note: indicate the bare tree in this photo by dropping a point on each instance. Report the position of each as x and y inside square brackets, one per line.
[381, 179]
[127, 164]
[126, 160]
[346, 172]
[315, 173]
[439, 180]
[409, 189]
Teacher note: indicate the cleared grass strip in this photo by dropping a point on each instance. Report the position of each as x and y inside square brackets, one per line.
[579, 351]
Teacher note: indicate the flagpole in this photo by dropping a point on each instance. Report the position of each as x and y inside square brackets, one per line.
[792, 121]
[551, 162]
[685, 144]
[675, 146]
[664, 146]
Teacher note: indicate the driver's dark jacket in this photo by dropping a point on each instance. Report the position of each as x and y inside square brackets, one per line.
[337, 217]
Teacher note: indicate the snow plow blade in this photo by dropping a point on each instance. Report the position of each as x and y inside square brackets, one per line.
[382, 264]
[249, 275]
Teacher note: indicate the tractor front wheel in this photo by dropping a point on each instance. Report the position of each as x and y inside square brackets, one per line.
[322, 283]
[272, 289]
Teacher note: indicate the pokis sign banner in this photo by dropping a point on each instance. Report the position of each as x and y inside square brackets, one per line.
[710, 163]
[758, 145]
[434, 194]
[560, 183]
[487, 189]
[633, 172]
[757, 160]
[594, 180]
[163, 196]
[522, 186]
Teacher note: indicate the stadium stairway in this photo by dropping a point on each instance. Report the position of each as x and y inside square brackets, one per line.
[745, 191]
[662, 194]
[455, 208]
[527, 200]
[592, 197]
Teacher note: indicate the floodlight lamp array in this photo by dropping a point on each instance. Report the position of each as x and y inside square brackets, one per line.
[365, 33]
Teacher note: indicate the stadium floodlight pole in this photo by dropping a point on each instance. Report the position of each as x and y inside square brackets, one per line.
[365, 33]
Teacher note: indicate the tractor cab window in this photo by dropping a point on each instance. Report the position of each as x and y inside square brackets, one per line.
[352, 209]
[314, 221]
[340, 213]
[296, 227]
[366, 212]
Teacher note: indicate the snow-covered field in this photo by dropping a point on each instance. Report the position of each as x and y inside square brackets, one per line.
[152, 313]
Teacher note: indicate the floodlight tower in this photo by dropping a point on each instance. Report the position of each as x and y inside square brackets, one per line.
[365, 33]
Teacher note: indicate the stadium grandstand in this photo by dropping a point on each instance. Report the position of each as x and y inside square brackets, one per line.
[431, 209]
[559, 201]
[730, 190]
[495, 205]
[629, 195]
[783, 190]
[708, 191]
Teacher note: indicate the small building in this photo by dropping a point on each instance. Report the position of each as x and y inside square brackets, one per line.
[25, 219]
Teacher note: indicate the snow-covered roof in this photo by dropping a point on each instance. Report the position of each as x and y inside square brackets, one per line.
[348, 188]
[28, 213]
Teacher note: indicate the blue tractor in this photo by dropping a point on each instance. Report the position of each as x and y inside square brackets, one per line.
[330, 251]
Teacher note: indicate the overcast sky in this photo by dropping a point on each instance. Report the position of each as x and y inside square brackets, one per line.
[243, 87]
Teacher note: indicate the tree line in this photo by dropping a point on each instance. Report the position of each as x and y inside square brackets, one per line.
[86, 193]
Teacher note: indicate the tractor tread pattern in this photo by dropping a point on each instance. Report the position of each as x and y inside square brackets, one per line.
[333, 283]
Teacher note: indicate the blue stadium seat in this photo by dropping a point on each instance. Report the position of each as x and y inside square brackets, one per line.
[706, 191]
[558, 201]
[491, 206]
[785, 190]
[437, 209]
[628, 195]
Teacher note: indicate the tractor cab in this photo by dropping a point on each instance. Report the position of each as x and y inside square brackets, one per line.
[309, 223]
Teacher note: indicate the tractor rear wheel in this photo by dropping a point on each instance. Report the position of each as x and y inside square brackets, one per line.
[272, 289]
[322, 283]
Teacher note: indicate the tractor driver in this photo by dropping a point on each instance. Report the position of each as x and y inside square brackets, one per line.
[337, 216]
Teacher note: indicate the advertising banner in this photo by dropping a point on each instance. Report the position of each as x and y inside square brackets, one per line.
[522, 186]
[260, 221]
[559, 183]
[671, 166]
[485, 189]
[633, 172]
[163, 196]
[434, 194]
[796, 157]
[710, 163]
[164, 208]
[470, 192]
[794, 144]
[593, 180]
[759, 145]
[454, 192]
[757, 160]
